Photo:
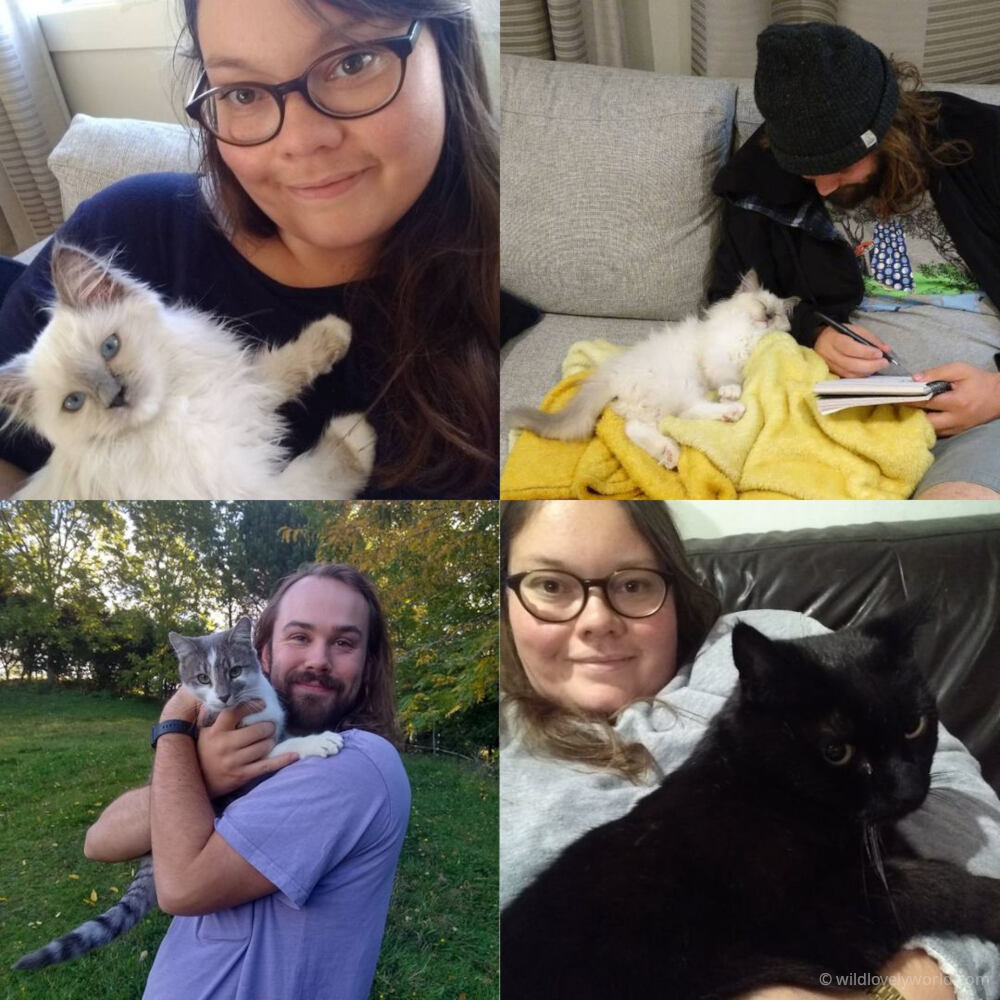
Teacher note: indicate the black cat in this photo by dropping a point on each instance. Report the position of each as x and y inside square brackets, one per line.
[758, 861]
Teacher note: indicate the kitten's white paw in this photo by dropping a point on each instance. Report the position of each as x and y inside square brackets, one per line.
[329, 337]
[321, 745]
[352, 440]
[733, 413]
[732, 391]
[670, 455]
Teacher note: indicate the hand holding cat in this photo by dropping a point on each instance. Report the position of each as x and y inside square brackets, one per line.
[974, 398]
[230, 756]
[181, 705]
[847, 358]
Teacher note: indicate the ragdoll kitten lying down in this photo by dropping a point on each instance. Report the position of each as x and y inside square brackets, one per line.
[223, 671]
[141, 399]
[671, 373]
[770, 856]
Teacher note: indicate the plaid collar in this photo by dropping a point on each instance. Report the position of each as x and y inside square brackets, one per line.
[810, 216]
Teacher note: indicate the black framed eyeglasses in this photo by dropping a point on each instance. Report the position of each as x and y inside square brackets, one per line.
[553, 595]
[350, 82]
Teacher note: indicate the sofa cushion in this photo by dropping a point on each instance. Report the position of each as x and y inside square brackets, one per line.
[96, 152]
[605, 175]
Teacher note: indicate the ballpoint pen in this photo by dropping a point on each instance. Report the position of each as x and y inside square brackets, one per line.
[848, 332]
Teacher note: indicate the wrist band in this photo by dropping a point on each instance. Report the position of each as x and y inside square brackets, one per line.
[173, 726]
[885, 991]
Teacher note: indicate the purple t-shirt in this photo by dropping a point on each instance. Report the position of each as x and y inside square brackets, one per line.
[327, 832]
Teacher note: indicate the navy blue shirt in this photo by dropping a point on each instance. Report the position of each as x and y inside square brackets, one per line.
[162, 233]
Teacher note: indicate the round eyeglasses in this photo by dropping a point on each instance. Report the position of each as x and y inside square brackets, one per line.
[553, 595]
[350, 82]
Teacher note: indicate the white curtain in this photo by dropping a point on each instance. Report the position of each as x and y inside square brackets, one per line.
[568, 30]
[33, 116]
[950, 41]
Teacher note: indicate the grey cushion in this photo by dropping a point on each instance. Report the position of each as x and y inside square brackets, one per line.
[604, 180]
[531, 364]
[96, 152]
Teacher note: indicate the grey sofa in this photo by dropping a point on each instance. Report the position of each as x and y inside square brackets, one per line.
[607, 216]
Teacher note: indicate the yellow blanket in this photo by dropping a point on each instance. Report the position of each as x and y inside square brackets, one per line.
[781, 448]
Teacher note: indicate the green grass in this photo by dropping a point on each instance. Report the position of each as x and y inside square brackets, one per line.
[64, 755]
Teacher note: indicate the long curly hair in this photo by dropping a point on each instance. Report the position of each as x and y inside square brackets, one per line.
[434, 307]
[912, 146]
[560, 732]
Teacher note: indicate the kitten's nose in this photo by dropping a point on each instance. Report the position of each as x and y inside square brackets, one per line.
[119, 400]
[223, 698]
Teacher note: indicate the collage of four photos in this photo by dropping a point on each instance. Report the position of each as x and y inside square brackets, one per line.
[396, 398]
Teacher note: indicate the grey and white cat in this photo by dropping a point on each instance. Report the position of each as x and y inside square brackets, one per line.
[142, 399]
[222, 670]
[671, 373]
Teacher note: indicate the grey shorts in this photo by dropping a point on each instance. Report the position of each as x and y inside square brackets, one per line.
[926, 336]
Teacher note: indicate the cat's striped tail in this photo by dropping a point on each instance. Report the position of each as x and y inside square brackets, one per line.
[575, 421]
[139, 897]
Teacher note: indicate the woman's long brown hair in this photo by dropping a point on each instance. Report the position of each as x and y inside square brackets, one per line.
[434, 305]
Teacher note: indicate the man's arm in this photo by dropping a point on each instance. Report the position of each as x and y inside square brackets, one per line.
[122, 830]
[195, 870]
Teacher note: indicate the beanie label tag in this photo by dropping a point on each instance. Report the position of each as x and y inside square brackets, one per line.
[868, 138]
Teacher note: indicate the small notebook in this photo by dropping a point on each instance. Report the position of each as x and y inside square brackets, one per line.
[843, 393]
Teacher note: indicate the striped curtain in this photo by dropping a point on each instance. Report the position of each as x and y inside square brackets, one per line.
[566, 30]
[951, 41]
[33, 116]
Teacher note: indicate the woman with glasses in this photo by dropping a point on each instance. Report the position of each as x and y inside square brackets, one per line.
[349, 167]
[613, 660]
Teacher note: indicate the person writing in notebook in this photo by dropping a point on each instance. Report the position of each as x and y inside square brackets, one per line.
[863, 192]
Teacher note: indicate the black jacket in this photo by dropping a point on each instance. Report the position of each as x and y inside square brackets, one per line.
[823, 271]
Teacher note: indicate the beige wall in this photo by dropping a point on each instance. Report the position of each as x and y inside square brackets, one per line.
[715, 518]
[658, 35]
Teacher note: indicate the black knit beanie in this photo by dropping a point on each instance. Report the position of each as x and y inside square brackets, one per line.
[826, 94]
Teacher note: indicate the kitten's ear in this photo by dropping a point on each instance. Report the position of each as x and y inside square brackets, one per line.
[82, 280]
[15, 389]
[183, 644]
[750, 282]
[790, 303]
[242, 631]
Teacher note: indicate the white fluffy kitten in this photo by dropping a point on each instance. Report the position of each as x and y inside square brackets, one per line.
[140, 399]
[671, 373]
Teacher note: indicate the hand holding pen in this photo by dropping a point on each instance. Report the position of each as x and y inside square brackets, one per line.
[853, 354]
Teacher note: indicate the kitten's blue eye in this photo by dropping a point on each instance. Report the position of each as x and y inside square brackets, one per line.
[74, 401]
[837, 754]
[916, 729]
[203, 679]
[235, 672]
[110, 347]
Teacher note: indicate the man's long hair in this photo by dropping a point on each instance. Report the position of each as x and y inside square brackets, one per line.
[375, 708]
[912, 146]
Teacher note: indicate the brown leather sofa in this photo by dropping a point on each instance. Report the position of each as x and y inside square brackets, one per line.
[843, 574]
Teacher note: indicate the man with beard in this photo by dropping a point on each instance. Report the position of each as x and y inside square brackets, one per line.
[285, 894]
[863, 192]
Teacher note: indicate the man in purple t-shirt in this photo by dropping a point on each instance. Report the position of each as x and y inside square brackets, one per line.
[285, 894]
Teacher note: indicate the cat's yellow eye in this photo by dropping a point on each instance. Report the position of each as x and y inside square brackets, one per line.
[203, 679]
[74, 401]
[837, 754]
[917, 729]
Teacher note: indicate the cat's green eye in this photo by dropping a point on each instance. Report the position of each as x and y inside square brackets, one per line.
[74, 401]
[917, 729]
[837, 754]
[203, 679]
[235, 672]
[109, 348]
